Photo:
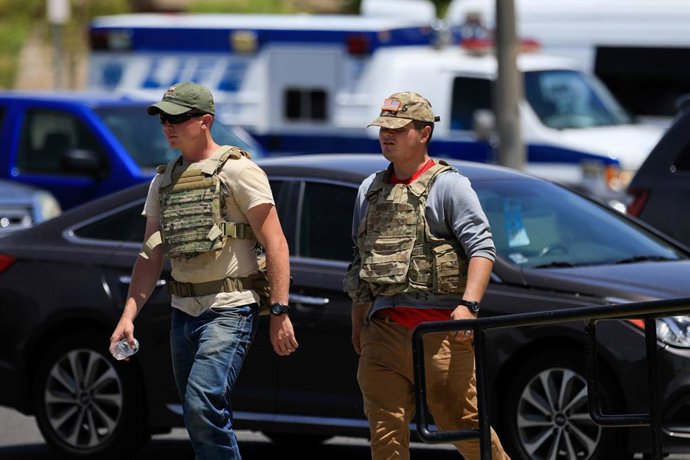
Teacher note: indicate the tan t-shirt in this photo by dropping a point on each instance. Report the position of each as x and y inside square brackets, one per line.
[244, 186]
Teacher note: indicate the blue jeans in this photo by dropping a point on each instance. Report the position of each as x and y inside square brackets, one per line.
[208, 352]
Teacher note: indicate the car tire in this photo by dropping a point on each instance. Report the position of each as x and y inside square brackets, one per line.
[547, 413]
[88, 405]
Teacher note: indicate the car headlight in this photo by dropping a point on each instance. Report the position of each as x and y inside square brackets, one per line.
[674, 330]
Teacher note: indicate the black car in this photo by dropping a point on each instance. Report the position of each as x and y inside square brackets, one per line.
[63, 284]
[662, 184]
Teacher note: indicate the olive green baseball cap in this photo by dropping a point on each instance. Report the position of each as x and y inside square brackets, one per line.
[182, 97]
[400, 108]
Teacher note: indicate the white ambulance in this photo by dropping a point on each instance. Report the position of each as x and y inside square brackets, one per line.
[304, 84]
[639, 48]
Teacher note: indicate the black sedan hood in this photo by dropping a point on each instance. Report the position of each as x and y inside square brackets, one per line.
[636, 282]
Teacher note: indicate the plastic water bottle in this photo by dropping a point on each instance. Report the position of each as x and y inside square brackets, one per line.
[122, 349]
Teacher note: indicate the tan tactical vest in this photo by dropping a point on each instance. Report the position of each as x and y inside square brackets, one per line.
[191, 222]
[398, 252]
[192, 205]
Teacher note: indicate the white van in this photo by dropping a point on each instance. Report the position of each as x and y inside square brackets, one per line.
[639, 48]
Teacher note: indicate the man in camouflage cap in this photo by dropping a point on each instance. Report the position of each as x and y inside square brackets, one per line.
[423, 252]
[399, 108]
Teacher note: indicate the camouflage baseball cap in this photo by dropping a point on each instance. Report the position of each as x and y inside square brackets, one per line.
[182, 97]
[400, 108]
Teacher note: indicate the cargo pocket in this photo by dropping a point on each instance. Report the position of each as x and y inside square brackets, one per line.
[387, 260]
[421, 273]
[449, 271]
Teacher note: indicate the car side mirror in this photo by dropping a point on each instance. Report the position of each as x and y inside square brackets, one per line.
[81, 161]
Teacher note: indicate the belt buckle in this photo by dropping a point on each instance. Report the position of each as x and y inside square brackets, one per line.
[187, 290]
[232, 284]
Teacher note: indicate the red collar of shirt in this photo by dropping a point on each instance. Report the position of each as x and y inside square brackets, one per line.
[394, 179]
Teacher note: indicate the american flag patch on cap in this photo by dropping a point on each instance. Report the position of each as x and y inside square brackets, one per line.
[391, 105]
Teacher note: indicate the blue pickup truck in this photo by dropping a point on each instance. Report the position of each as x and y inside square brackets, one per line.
[82, 145]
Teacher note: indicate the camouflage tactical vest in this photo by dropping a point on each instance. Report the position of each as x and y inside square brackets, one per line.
[191, 200]
[398, 252]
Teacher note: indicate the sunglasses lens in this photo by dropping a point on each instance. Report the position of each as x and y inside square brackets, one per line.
[177, 119]
[173, 119]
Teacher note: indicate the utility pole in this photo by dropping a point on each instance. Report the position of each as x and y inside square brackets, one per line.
[58, 13]
[509, 88]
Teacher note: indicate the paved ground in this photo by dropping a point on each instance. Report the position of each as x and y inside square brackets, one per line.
[21, 440]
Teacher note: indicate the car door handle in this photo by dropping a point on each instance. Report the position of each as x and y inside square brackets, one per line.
[308, 300]
[128, 280]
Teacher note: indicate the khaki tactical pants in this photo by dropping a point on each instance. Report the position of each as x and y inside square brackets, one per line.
[386, 378]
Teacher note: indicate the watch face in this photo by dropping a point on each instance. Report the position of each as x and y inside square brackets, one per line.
[278, 309]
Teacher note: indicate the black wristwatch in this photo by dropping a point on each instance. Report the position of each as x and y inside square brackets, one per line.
[472, 305]
[279, 309]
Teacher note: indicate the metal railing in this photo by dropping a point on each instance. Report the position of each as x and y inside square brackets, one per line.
[640, 310]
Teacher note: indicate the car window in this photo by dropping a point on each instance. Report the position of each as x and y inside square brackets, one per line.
[469, 95]
[285, 194]
[325, 221]
[141, 135]
[47, 135]
[569, 99]
[538, 224]
[126, 224]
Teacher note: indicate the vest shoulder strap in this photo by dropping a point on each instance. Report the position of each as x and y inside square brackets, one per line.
[215, 163]
[423, 183]
[167, 172]
[380, 181]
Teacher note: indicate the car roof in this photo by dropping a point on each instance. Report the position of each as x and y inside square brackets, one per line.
[352, 168]
[356, 166]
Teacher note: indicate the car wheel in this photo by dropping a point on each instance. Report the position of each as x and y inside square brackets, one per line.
[547, 413]
[89, 406]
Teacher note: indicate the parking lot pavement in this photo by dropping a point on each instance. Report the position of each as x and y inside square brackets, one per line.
[21, 440]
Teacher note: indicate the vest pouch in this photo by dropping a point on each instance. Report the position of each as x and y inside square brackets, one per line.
[421, 272]
[387, 260]
[449, 276]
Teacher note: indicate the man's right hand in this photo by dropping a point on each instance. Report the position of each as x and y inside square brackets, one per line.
[123, 330]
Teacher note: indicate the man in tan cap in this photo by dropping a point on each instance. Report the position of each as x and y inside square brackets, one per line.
[423, 252]
[205, 211]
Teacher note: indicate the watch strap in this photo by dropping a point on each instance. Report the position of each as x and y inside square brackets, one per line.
[472, 305]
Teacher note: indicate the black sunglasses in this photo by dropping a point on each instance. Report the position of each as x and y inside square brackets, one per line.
[177, 119]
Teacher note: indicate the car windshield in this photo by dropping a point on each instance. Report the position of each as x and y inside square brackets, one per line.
[568, 99]
[141, 135]
[540, 225]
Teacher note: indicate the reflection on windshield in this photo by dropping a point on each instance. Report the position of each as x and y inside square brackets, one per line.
[142, 135]
[540, 225]
[564, 99]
